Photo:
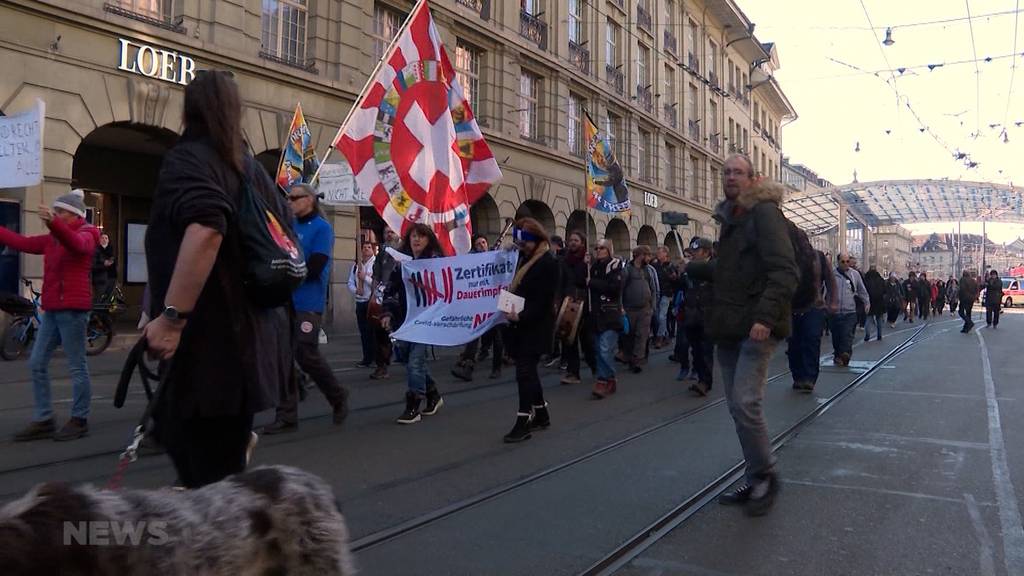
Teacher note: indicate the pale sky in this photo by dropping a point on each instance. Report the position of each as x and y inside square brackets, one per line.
[839, 106]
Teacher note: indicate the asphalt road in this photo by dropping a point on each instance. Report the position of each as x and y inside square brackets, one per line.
[446, 496]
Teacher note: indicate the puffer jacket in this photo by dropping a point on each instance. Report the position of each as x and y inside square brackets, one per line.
[606, 294]
[67, 261]
[755, 273]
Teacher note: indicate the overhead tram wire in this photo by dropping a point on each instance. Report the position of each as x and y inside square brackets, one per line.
[977, 72]
[1013, 68]
[874, 32]
[896, 26]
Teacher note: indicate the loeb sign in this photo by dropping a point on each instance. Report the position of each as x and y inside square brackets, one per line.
[156, 63]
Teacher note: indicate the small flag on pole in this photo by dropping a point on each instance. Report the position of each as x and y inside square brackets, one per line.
[413, 142]
[606, 183]
[298, 158]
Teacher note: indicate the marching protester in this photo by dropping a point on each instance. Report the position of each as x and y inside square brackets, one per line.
[639, 293]
[667, 276]
[104, 268]
[993, 298]
[968, 295]
[849, 289]
[862, 304]
[383, 265]
[317, 239]
[753, 276]
[924, 296]
[910, 293]
[952, 294]
[360, 284]
[419, 242]
[938, 297]
[893, 299]
[696, 300]
[875, 285]
[463, 369]
[67, 251]
[574, 284]
[809, 311]
[531, 330]
[226, 354]
[606, 314]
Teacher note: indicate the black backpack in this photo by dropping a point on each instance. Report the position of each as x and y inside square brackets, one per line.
[272, 257]
[809, 288]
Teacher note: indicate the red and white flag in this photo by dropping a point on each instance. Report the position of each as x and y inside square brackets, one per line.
[413, 141]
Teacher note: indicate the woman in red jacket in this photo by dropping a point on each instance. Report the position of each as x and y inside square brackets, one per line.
[67, 298]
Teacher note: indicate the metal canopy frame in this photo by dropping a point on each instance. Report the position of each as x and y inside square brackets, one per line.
[906, 202]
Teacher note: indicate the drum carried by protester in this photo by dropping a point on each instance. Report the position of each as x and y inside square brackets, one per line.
[567, 322]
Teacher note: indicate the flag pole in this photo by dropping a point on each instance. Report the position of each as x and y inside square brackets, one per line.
[586, 212]
[373, 76]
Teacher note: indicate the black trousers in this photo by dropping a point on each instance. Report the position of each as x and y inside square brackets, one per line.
[571, 350]
[992, 313]
[966, 308]
[310, 361]
[703, 354]
[493, 337]
[923, 307]
[531, 393]
[205, 450]
[893, 314]
[382, 347]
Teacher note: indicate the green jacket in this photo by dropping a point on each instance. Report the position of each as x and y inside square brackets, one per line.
[754, 273]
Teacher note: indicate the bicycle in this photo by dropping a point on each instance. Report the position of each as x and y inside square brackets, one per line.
[21, 331]
[99, 331]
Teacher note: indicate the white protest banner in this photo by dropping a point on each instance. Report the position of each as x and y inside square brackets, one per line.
[21, 148]
[338, 185]
[454, 300]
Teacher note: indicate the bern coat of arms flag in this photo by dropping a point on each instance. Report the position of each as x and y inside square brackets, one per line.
[413, 141]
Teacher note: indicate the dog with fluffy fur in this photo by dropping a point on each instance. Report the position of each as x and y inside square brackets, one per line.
[267, 521]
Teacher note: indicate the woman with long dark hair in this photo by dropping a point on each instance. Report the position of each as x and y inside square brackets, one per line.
[225, 356]
[531, 329]
[419, 242]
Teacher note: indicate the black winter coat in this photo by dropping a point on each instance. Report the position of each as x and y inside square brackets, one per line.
[606, 295]
[994, 292]
[533, 333]
[875, 284]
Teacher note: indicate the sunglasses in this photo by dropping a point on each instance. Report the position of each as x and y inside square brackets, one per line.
[298, 197]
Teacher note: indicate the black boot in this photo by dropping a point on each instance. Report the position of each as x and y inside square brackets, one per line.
[521, 431]
[541, 418]
[434, 401]
[762, 496]
[412, 409]
[463, 370]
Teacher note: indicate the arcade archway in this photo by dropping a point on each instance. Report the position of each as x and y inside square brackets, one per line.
[485, 219]
[647, 237]
[618, 233]
[582, 221]
[540, 212]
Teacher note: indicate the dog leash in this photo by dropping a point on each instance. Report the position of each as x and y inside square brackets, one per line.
[136, 361]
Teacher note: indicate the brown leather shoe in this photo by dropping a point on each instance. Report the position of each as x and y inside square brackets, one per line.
[600, 390]
[74, 429]
[38, 430]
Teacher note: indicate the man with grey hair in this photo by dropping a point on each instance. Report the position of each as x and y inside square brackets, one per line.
[753, 277]
[843, 323]
[639, 295]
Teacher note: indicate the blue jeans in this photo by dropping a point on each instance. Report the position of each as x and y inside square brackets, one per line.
[607, 342]
[365, 331]
[744, 368]
[804, 350]
[842, 327]
[878, 324]
[419, 379]
[661, 316]
[67, 328]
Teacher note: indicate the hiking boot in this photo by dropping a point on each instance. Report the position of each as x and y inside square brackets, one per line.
[434, 402]
[381, 373]
[339, 410]
[613, 385]
[411, 415]
[699, 388]
[803, 386]
[845, 358]
[601, 389]
[541, 418]
[37, 430]
[463, 370]
[762, 496]
[279, 427]
[570, 379]
[74, 429]
[738, 496]
[521, 430]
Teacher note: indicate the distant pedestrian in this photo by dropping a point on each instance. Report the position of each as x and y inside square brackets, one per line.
[993, 299]
[104, 268]
[574, 284]
[910, 293]
[924, 296]
[952, 294]
[383, 265]
[639, 293]
[697, 300]
[938, 298]
[606, 314]
[810, 311]
[317, 238]
[360, 284]
[531, 330]
[968, 296]
[67, 249]
[226, 356]
[893, 299]
[419, 242]
[668, 273]
[875, 285]
[849, 289]
[754, 276]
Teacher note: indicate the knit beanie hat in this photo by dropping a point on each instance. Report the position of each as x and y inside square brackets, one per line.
[73, 202]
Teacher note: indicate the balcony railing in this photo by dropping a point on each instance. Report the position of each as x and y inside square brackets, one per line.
[157, 17]
[615, 78]
[619, 3]
[533, 29]
[733, 148]
[580, 57]
[692, 63]
[644, 97]
[669, 41]
[694, 129]
[482, 7]
[714, 143]
[713, 78]
[671, 114]
[643, 18]
[757, 127]
[732, 89]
